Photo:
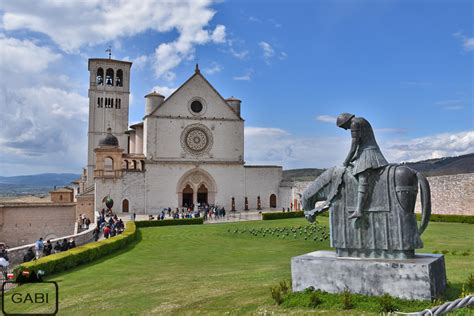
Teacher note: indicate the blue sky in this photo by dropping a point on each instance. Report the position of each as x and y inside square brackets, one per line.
[407, 66]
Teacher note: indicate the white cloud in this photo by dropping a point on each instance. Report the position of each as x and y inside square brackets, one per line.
[264, 131]
[215, 68]
[140, 62]
[467, 42]
[44, 122]
[247, 76]
[451, 104]
[277, 146]
[268, 145]
[74, 24]
[164, 90]
[434, 146]
[239, 54]
[326, 119]
[268, 51]
[24, 56]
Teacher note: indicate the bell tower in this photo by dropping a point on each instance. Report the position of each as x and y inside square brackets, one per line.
[109, 92]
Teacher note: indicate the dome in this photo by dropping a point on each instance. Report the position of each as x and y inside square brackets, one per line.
[109, 140]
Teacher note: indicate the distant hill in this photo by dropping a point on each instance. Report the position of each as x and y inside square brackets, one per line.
[430, 167]
[38, 184]
[445, 166]
[305, 174]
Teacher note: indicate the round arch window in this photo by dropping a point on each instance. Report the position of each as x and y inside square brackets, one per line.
[196, 106]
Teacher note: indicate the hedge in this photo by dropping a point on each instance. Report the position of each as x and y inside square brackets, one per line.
[171, 222]
[281, 215]
[467, 219]
[69, 259]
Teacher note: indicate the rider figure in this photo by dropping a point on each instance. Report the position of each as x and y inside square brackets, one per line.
[365, 155]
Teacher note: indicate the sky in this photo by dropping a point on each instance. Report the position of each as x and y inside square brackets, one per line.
[406, 66]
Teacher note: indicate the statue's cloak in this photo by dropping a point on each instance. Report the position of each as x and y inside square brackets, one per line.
[385, 224]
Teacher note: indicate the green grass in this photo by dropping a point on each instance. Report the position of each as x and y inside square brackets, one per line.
[207, 270]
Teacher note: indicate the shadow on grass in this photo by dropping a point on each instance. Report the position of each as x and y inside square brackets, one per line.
[127, 248]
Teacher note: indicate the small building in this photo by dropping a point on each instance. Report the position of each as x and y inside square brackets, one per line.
[62, 195]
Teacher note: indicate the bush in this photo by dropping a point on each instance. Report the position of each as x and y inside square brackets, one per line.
[346, 300]
[279, 291]
[314, 299]
[66, 260]
[282, 215]
[470, 282]
[387, 304]
[467, 219]
[170, 222]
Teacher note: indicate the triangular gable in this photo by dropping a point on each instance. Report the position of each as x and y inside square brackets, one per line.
[176, 94]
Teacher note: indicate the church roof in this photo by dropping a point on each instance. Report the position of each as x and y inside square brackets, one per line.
[109, 139]
[197, 72]
[232, 98]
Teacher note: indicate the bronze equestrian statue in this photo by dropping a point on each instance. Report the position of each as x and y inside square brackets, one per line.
[371, 202]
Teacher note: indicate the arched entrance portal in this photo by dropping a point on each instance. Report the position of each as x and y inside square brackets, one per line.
[187, 196]
[273, 201]
[196, 186]
[125, 206]
[202, 194]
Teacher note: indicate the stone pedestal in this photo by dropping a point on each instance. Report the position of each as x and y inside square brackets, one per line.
[420, 278]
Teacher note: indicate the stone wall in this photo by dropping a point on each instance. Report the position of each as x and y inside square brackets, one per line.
[452, 194]
[24, 223]
[15, 255]
[85, 205]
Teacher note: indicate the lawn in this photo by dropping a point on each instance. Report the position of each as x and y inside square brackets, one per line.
[208, 270]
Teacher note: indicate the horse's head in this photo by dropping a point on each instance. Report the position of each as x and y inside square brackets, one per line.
[324, 188]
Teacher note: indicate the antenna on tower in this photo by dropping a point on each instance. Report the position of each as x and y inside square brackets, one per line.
[109, 50]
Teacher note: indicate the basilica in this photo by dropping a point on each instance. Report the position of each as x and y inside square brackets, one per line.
[187, 151]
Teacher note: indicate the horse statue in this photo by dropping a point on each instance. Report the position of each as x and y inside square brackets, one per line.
[388, 225]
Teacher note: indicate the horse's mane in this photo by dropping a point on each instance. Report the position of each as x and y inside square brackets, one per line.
[333, 176]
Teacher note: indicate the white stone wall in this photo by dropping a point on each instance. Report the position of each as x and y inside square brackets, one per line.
[163, 139]
[131, 187]
[262, 181]
[164, 128]
[157, 188]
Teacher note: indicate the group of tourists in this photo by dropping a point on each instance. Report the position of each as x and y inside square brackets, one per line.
[41, 248]
[204, 210]
[108, 224]
[83, 222]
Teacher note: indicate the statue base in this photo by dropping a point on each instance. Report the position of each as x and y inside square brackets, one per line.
[420, 278]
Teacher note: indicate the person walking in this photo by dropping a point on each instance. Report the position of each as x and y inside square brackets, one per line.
[39, 245]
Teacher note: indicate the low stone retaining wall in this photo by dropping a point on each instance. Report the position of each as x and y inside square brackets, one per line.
[16, 254]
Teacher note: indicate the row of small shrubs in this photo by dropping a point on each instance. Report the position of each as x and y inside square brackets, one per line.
[317, 299]
[281, 215]
[69, 259]
[171, 222]
[467, 219]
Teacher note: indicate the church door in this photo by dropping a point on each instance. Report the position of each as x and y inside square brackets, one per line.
[125, 206]
[273, 201]
[202, 195]
[187, 196]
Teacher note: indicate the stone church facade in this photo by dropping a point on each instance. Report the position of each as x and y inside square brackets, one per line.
[188, 150]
